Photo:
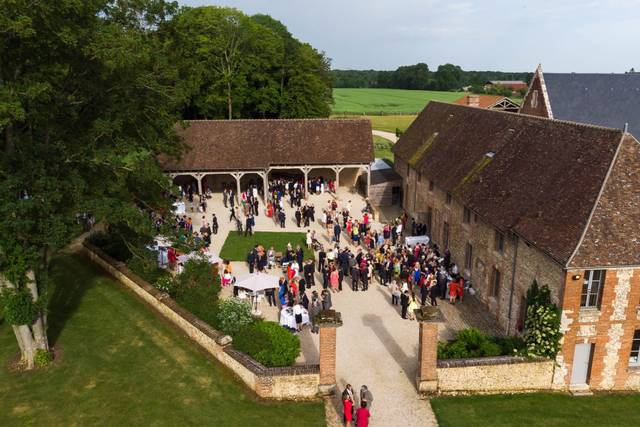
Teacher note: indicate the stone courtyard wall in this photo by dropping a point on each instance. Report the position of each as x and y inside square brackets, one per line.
[494, 375]
[293, 382]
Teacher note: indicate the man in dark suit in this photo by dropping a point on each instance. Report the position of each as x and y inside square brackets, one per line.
[404, 303]
[308, 271]
[355, 276]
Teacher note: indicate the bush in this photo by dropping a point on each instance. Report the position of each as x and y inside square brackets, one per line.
[268, 343]
[197, 289]
[42, 358]
[509, 345]
[112, 244]
[542, 324]
[469, 343]
[233, 315]
[166, 284]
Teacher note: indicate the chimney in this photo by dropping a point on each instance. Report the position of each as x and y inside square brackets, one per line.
[473, 100]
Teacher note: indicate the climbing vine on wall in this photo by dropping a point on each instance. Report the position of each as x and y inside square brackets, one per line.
[542, 325]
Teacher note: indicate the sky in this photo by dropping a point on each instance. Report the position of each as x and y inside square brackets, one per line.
[583, 36]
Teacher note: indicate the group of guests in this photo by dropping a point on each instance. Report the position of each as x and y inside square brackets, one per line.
[361, 416]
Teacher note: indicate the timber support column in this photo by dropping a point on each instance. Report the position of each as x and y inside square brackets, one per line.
[328, 321]
[428, 318]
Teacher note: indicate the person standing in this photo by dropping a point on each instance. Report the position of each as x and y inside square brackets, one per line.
[250, 222]
[224, 197]
[308, 273]
[298, 216]
[334, 279]
[322, 257]
[395, 293]
[251, 260]
[404, 303]
[271, 298]
[214, 223]
[347, 409]
[355, 276]
[336, 232]
[297, 312]
[232, 215]
[362, 415]
[366, 396]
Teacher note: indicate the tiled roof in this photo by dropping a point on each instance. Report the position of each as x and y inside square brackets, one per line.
[537, 177]
[507, 82]
[602, 99]
[258, 144]
[485, 101]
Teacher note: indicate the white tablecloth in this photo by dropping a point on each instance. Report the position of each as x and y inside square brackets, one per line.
[414, 240]
[179, 208]
[288, 319]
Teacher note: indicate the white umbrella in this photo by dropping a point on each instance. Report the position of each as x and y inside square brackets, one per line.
[257, 282]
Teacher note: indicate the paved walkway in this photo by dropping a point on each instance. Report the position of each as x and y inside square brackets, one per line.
[375, 346]
[386, 135]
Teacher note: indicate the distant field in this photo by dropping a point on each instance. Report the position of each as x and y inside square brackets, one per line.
[386, 101]
[386, 123]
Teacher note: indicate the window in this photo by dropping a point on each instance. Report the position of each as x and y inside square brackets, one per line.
[499, 242]
[431, 185]
[592, 288]
[534, 99]
[634, 358]
[428, 220]
[466, 216]
[448, 198]
[468, 256]
[494, 286]
[445, 235]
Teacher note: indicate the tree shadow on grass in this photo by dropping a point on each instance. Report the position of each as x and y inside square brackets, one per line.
[408, 364]
[68, 281]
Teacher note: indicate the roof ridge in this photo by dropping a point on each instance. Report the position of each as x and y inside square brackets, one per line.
[529, 116]
[310, 119]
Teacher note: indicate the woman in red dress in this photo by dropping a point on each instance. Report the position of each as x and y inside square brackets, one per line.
[347, 406]
[453, 291]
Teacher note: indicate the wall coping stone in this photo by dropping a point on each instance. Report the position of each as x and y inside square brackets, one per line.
[247, 361]
[486, 361]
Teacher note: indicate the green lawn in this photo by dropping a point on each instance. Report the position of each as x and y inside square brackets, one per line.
[120, 364]
[386, 101]
[237, 246]
[382, 148]
[544, 409]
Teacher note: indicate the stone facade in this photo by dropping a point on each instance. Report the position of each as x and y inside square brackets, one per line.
[493, 375]
[505, 302]
[609, 328]
[295, 382]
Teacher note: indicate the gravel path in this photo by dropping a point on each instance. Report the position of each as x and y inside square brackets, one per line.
[386, 135]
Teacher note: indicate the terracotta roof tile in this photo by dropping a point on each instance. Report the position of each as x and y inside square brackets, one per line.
[258, 144]
[485, 101]
[534, 176]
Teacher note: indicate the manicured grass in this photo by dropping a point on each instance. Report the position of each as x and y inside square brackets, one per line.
[386, 101]
[544, 409]
[237, 246]
[120, 364]
[382, 148]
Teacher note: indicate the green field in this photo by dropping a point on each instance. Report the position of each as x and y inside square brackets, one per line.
[119, 364]
[386, 101]
[540, 409]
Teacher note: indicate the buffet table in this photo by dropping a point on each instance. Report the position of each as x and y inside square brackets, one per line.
[288, 319]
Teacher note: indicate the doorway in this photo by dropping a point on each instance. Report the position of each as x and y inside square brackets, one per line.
[581, 369]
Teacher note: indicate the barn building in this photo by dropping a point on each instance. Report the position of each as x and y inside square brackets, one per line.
[518, 198]
[243, 152]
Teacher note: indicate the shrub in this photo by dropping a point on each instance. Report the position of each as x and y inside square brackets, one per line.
[197, 289]
[234, 315]
[268, 343]
[112, 244]
[18, 306]
[42, 358]
[166, 284]
[509, 345]
[467, 344]
[542, 324]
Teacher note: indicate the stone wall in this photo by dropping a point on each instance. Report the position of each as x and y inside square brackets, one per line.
[494, 375]
[295, 382]
[505, 305]
[609, 329]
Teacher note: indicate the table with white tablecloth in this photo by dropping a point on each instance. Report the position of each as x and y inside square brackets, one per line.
[414, 240]
[288, 319]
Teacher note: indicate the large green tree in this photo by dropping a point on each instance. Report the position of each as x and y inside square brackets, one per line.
[86, 106]
[235, 66]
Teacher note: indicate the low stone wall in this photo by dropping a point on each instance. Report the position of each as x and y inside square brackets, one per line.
[494, 375]
[294, 382]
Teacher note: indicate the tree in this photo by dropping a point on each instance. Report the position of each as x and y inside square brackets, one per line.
[87, 106]
[411, 77]
[448, 77]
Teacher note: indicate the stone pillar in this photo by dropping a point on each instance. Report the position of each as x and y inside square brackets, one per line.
[328, 321]
[428, 318]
